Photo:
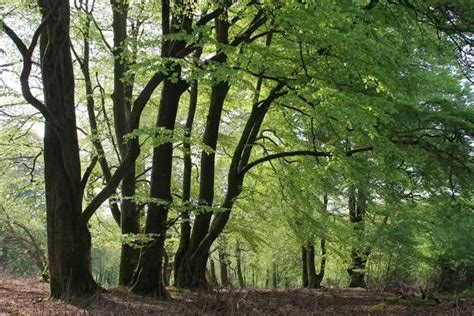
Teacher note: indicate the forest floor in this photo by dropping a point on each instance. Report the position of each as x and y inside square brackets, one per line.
[22, 296]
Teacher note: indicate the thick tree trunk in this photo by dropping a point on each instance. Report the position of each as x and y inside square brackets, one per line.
[148, 278]
[130, 224]
[121, 97]
[191, 273]
[148, 275]
[69, 241]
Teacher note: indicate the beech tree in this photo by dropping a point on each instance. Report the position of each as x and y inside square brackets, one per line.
[69, 240]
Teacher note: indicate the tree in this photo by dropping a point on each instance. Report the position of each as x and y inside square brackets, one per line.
[69, 266]
[148, 276]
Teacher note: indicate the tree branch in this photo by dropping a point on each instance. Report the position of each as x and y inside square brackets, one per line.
[88, 172]
[311, 153]
[27, 65]
[208, 17]
[133, 150]
[358, 150]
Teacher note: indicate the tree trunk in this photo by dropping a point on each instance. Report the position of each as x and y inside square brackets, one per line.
[314, 279]
[187, 172]
[275, 275]
[357, 206]
[192, 272]
[212, 273]
[69, 241]
[357, 271]
[310, 263]
[238, 255]
[322, 266]
[311, 279]
[148, 277]
[267, 278]
[130, 224]
[166, 272]
[121, 97]
[224, 271]
[304, 263]
[254, 276]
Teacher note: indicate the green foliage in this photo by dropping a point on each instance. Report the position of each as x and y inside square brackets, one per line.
[22, 216]
[379, 91]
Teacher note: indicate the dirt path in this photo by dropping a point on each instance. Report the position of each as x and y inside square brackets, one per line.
[28, 297]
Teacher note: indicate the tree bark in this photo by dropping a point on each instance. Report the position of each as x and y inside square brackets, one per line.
[312, 279]
[69, 241]
[148, 278]
[322, 265]
[191, 274]
[123, 88]
[148, 275]
[185, 235]
[166, 271]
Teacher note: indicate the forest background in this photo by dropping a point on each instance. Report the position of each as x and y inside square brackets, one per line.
[247, 144]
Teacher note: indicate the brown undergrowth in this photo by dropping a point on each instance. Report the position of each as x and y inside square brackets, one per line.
[22, 296]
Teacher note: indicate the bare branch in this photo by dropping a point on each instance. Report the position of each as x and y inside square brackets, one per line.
[25, 73]
[311, 153]
[133, 150]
